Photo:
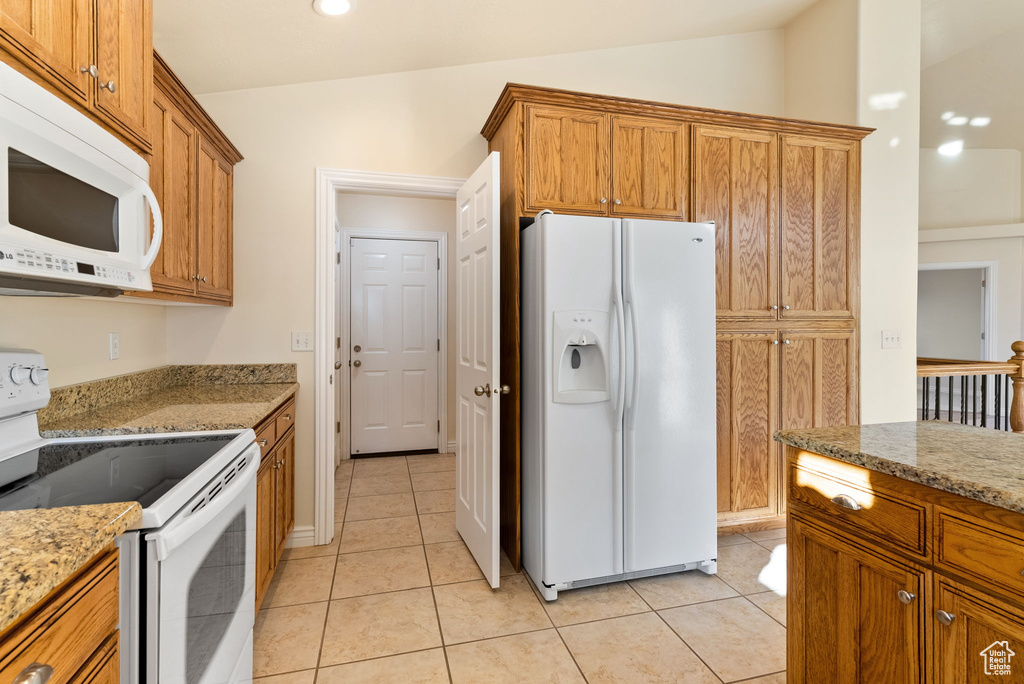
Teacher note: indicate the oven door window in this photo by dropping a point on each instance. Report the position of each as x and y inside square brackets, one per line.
[48, 202]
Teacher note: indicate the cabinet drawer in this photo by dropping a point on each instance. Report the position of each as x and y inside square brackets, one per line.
[862, 508]
[285, 419]
[69, 627]
[980, 552]
[267, 438]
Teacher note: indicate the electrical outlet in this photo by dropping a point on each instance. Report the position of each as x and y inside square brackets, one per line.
[302, 341]
[115, 346]
[892, 339]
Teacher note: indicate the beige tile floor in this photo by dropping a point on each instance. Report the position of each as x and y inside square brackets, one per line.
[397, 597]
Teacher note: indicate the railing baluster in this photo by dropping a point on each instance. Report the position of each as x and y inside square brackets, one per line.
[963, 400]
[924, 398]
[949, 401]
[974, 400]
[996, 406]
[984, 401]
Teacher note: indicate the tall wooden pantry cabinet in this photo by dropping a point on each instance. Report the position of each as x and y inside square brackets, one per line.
[784, 196]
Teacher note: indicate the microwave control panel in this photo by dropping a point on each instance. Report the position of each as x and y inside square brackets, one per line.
[38, 261]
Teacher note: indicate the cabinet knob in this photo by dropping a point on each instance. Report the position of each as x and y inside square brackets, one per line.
[786, 307]
[35, 673]
[262, 442]
[109, 85]
[775, 341]
[91, 70]
[905, 596]
[203, 279]
[846, 501]
[786, 341]
[775, 307]
[944, 617]
[618, 201]
[287, 416]
[604, 200]
[195, 277]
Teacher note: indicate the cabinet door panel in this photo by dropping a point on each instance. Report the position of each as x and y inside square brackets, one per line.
[266, 546]
[819, 238]
[172, 176]
[285, 516]
[845, 618]
[736, 186]
[648, 168]
[567, 161]
[981, 625]
[124, 42]
[214, 249]
[54, 38]
[818, 379]
[748, 458]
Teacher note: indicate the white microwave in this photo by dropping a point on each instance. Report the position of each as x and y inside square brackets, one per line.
[75, 205]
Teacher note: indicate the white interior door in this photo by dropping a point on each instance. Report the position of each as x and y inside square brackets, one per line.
[339, 353]
[476, 379]
[395, 345]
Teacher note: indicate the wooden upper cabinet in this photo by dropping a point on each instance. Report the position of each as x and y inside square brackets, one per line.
[819, 379]
[819, 238]
[124, 61]
[747, 395]
[735, 184]
[53, 38]
[567, 161]
[214, 267]
[649, 169]
[846, 622]
[172, 175]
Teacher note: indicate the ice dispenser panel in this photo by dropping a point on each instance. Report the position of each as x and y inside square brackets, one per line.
[579, 355]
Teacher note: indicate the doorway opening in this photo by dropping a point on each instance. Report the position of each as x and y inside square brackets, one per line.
[954, 308]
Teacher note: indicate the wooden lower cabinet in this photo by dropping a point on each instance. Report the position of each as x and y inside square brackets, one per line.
[275, 494]
[105, 665]
[845, 618]
[975, 647]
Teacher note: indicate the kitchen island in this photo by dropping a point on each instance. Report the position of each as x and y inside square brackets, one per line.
[906, 553]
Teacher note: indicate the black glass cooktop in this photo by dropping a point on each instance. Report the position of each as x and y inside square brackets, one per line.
[82, 473]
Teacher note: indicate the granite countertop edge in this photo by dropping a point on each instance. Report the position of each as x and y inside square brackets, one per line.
[41, 549]
[246, 419]
[945, 482]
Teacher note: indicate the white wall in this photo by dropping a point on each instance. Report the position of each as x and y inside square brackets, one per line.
[423, 122]
[73, 335]
[821, 62]
[974, 188]
[410, 213]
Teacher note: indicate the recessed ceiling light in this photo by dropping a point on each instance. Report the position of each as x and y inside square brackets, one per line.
[893, 142]
[331, 8]
[946, 116]
[981, 121]
[951, 149]
[957, 121]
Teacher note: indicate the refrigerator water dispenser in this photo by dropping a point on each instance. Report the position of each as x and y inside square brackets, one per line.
[581, 369]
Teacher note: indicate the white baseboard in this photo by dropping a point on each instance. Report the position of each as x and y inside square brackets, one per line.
[300, 536]
[451, 447]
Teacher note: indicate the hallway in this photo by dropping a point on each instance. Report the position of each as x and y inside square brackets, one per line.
[396, 597]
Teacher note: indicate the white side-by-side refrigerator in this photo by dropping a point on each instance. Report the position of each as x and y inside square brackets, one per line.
[618, 399]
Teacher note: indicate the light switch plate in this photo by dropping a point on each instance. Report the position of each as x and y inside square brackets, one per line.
[115, 346]
[302, 341]
[892, 339]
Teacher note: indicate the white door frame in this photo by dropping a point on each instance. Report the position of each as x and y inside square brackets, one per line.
[345, 295]
[989, 298]
[328, 183]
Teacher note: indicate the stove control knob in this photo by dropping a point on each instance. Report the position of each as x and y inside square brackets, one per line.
[19, 374]
[38, 375]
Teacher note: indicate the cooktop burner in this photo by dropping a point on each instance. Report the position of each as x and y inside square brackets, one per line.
[81, 473]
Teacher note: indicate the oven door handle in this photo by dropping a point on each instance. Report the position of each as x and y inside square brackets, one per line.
[158, 226]
[178, 532]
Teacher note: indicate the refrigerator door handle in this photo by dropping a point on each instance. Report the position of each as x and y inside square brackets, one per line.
[620, 322]
[628, 290]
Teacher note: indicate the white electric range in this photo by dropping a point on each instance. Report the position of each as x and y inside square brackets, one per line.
[187, 571]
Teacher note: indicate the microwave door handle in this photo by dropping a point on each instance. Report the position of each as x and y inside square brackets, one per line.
[177, 533]
[158, 226]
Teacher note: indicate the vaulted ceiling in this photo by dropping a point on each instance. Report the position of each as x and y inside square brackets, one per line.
[218, 45]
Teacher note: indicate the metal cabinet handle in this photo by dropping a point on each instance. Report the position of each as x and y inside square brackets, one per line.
[905, 596]
[775, 341]
[109, 85]
[786, 307]
[195, 277]
[357, 363]
[91, 70]
[786, 341]
[944, 617]
[262, 442]
[287, 416]
[504, 389]
[35, 673]
[203, 279]
[846, 501]
[618, 201]
[775, 307]
[604, 200]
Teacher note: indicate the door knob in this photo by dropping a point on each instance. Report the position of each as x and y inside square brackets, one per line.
[337, 365]
[504, 389]
[357, 348]
[357, 363]
[905, 596]
[944, 617]
[481, 390]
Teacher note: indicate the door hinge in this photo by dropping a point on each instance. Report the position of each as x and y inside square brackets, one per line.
[338, 260]
[982, 335]
[438, 263]
[337, 343]
[439, 426]
[337, 427]
[438, 344]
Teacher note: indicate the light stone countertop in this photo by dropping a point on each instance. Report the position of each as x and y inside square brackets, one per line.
[977, 463]
[40, 549]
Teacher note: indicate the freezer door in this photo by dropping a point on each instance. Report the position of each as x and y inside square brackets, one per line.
[669, 465]
[572, 341]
